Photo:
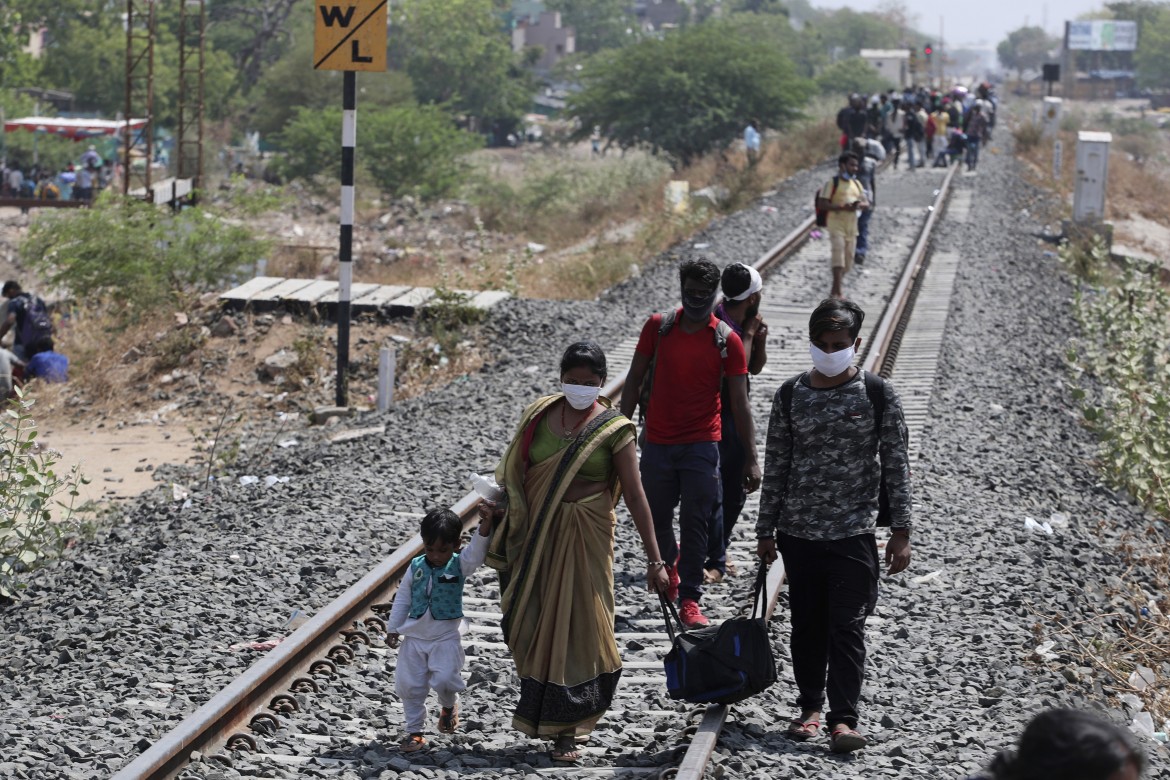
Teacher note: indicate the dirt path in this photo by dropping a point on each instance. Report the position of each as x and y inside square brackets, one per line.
[119, 461]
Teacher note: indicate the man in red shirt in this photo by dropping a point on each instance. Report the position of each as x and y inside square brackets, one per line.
[680, 459]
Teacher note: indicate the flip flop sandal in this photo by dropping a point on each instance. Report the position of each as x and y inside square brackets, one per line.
[449, 719]
[712, 576]
[566, 755]
[845, 740]
[412, 743]
[802, 731]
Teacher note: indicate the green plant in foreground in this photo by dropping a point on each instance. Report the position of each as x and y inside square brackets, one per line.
[1127, 403]
[29, 490]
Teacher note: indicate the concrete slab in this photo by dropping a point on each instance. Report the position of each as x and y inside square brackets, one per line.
[489, 298]
[240, 296]
[311, 294]
[381, 295]
[406, 304]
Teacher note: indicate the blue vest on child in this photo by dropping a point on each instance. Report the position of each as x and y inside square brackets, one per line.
[445, 600]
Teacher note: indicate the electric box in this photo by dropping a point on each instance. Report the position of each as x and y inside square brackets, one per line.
[1092, 174]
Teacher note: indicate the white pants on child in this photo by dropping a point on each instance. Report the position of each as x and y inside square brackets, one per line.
[425, 665]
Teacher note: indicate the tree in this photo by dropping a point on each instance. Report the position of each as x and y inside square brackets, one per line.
[457, 54]
[407, 150]
[598, 24]
[1025, 49]
[689, 93]
[850, 76]
[1152, 58]
[254, 31]
[852, 31]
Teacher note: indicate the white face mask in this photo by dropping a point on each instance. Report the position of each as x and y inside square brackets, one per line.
[831, 364]
[580, 396]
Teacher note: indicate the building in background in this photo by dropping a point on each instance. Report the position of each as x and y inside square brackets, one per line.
[544, 31]
[892, 64]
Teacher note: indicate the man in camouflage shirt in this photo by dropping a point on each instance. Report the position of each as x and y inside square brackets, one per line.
[826, 460]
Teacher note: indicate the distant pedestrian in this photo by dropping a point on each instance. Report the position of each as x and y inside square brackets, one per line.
[827, 460]
[1069, 745]
[751, 142]
[843, 199]
[852, 120]
[427, 616]
[869, 153]
[83, 189]
[742, 294]
[683, 425]
[15, 182]
[892, 122]
[976, 130]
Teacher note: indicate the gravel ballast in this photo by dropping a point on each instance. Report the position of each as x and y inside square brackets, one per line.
[133, 630]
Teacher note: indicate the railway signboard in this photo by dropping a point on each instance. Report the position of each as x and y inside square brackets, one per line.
[350, 35]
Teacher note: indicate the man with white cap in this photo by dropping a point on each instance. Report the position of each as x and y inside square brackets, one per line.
[742, 292]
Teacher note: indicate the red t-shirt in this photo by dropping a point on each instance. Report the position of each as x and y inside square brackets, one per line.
[684, 402]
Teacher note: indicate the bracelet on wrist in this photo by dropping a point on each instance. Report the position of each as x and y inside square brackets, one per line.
[655, 563]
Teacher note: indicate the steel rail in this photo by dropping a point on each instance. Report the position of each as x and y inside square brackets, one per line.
[251, 696]
[897, 310]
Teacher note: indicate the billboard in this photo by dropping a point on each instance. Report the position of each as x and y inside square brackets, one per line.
[1102, 35]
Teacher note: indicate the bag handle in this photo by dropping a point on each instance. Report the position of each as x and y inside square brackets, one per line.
[669, 611]
[758, 590]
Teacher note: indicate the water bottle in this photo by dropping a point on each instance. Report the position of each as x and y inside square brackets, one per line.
[487, 488]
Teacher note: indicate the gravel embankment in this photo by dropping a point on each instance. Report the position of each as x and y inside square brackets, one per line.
[132, 631]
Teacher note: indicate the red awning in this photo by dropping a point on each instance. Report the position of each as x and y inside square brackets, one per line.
[74, 129]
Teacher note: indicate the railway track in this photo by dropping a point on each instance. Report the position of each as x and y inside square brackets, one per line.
[269, 695]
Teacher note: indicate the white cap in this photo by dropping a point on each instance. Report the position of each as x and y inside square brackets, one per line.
[756, 285]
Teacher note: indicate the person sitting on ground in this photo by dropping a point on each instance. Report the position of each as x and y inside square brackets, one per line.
[20, 307]
[46, 364]
[11, 373]
[427, 616]
[1069, 745]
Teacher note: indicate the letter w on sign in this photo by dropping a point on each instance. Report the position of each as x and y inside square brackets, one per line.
[350, 35]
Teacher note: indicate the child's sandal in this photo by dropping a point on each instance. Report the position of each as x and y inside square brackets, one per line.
[449, 719]
[412, 743]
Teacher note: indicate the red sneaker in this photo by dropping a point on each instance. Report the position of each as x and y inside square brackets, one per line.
[689, 614]
[672, 591]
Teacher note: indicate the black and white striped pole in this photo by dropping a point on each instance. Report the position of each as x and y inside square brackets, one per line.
[348, 38]
[345, 253]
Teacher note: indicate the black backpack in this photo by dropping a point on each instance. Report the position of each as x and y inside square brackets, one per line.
[875, 391]
[823, 214]
[722, 331]
[36, 323]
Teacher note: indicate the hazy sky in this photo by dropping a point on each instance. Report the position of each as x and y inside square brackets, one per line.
[970, 22]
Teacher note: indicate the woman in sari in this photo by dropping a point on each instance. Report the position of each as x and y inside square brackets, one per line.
[573, 456]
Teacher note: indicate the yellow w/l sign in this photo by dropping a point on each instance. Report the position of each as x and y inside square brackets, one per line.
[350, 35]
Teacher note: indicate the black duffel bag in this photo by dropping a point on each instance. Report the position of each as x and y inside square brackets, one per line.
[720, 664]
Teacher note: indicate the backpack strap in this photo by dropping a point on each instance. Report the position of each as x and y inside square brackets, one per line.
[722, 333]
[875, 391]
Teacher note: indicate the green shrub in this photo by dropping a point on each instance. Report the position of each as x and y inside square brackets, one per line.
[407, 150]
[29, 489]
[1028, 136]
[135, 256]
[1128, 402]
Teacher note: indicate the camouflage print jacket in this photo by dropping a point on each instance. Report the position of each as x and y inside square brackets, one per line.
[822, 473]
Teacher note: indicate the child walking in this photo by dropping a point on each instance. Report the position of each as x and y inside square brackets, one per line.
[428, 618]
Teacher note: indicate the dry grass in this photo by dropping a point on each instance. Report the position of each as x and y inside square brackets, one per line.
[1136, 182]
[597, 218]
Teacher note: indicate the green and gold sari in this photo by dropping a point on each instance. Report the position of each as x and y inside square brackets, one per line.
[555, 560]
